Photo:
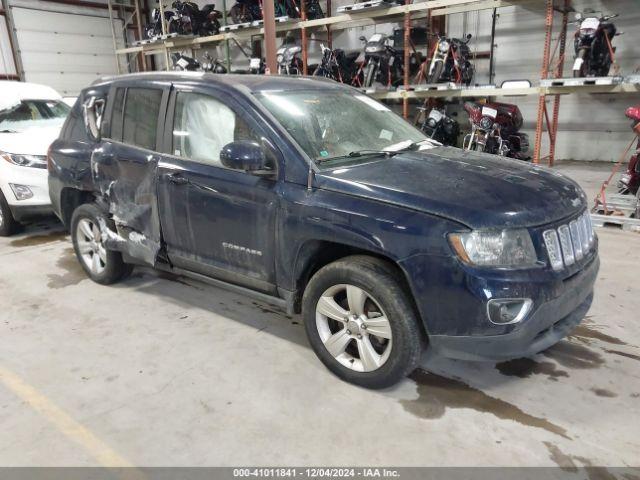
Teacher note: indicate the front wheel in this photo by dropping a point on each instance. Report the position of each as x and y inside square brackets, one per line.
[100, 264]
[579, 67]
[435, 75]
[8, 225]
[361, 323]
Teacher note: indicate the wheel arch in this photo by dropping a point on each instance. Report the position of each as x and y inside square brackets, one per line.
[315, 254]
[70, 199]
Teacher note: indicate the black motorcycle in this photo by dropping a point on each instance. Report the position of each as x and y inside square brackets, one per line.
[450, 62]
[436, 124]
[337, 65]
[188, 64]
[247, 11]
[592, 44]
[191, 20]
[382, 63]
[154, 29]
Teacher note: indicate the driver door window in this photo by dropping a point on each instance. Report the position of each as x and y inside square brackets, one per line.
[203, 125]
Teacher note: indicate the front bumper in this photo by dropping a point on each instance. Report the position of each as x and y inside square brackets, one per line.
[36, 179]
[551, 321]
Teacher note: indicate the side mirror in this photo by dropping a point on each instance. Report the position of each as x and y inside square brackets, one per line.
[469, 36]
[246, 156]
[92, 110]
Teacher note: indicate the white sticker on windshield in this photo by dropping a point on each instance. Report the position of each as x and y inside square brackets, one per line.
[386, 134]
[372, 103]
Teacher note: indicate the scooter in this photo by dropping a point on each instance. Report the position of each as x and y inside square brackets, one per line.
[495, 129]
[439, 126]
[450, 62]
[629, 182]
[592, 44]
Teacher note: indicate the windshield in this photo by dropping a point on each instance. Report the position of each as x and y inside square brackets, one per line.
[32, 114]
[332, 126]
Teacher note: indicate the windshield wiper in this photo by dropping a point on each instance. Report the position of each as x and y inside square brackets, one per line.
[367, 152]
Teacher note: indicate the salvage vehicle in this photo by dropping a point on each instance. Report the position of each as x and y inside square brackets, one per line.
[31, 117]
[307, 194]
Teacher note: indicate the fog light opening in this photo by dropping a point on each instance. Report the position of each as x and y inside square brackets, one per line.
[22, 192]
[505, 311]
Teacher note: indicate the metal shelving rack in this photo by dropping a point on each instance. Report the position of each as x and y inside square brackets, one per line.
[425, 10]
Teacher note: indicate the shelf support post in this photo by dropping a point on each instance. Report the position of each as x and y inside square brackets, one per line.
[407, 62]
[305, 40]
[269, 16]
[544, 74]
[558, 74]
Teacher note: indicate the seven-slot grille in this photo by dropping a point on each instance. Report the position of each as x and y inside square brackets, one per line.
[569, 243]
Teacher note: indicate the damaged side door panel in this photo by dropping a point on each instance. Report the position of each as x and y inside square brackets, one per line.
[124, 169]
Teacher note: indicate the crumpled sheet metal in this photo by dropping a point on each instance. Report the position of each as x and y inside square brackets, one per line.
[130, 196]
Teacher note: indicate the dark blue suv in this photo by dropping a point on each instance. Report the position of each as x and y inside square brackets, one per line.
[310, 195]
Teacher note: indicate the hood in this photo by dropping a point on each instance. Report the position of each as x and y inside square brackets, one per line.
[476, 189]
[31, 141]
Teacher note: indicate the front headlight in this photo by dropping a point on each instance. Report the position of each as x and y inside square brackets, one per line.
[494, 248]
[36, 161]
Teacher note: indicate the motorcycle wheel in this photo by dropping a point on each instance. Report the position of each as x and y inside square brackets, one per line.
[478, 147]
[436, 74]
[370, 74]
[238, 15]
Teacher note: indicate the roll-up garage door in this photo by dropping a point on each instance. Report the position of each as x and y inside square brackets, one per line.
[66, 51]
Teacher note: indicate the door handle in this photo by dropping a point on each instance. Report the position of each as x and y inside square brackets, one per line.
[176, 178]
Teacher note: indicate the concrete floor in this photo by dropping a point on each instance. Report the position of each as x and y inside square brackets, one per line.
[161, 371]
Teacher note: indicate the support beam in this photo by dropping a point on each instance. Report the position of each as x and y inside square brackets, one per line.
[269, 16]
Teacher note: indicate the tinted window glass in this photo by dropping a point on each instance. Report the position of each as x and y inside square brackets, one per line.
[203, 125]
[116, 115]
[141, 110]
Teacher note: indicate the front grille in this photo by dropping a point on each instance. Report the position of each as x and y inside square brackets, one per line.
[569, 243]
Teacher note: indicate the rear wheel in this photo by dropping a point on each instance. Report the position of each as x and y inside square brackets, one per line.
[8, 225]
[361, 323]
[100, 264]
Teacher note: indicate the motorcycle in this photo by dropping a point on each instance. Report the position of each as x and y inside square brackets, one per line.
[382, 63]
[209, 64]
[336, 64]
[592, 44]
[495, 129]
[450, 61]
[288, 61]
[191, 20]
[629, 182]
[246, 11]
[154, 29]
[439, 126]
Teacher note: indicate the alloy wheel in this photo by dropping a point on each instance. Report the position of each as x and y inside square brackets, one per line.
[90, 247]
[353, 328]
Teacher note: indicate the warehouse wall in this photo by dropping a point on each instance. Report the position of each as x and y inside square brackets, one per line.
[592, 127]
[66, 47]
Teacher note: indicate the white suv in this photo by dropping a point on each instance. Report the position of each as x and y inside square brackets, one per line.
[31, 117]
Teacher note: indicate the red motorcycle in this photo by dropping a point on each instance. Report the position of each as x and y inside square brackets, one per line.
[495, 129]
[629, 183]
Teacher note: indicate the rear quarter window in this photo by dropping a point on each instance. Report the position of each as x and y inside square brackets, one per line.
[140, 119]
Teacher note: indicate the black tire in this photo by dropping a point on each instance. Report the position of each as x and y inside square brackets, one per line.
[8, 225]
[115, 268]
[436, 74]
[370, 74]
[380, 281]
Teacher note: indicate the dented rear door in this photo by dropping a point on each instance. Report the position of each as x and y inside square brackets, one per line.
[124, 168]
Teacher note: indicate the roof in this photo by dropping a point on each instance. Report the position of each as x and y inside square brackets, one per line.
[255, 83]
[12, 93]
